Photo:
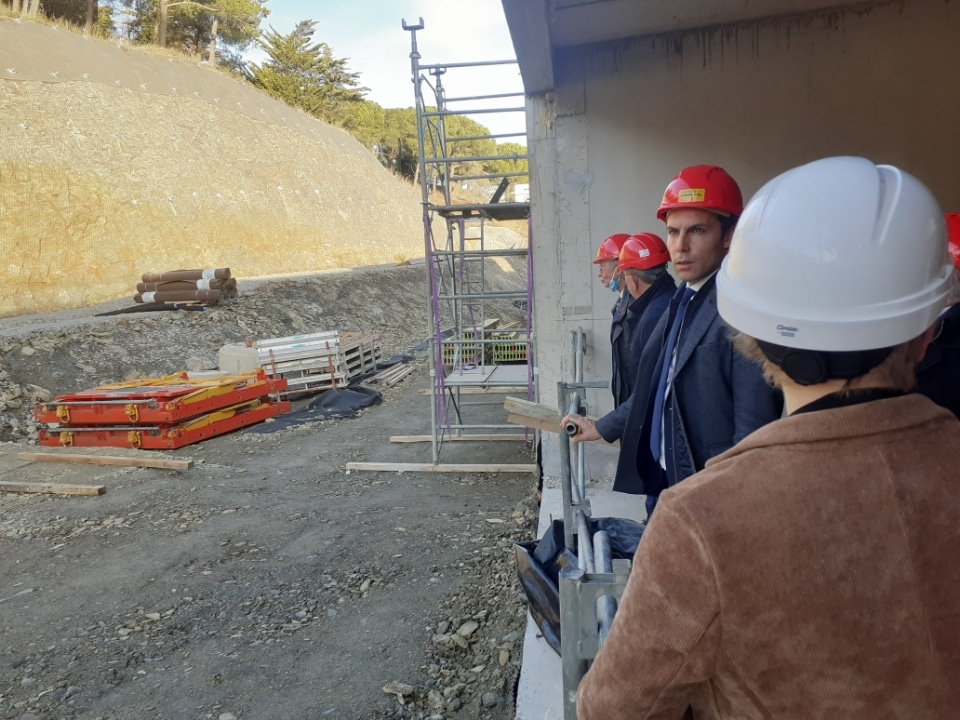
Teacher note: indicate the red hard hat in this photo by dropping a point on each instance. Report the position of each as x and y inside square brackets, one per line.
[643, 251]
[610, 248]
[706, 187]
[953, 236]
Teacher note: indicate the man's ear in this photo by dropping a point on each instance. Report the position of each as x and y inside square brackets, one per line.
[919, 345]
[727, 238]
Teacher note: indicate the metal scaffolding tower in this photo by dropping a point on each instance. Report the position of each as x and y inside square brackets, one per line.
[473, 350]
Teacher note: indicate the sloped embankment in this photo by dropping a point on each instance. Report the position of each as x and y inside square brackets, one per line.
[114, 162]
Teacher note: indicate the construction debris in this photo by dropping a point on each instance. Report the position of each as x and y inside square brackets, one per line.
[159, 413]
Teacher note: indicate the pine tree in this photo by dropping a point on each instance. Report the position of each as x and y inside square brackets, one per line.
[306, 75]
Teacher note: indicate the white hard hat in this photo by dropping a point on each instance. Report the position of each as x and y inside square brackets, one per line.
[837, 255]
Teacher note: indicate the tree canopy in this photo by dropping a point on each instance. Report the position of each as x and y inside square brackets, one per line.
[193, 26]
[305, 74]
[94, 16]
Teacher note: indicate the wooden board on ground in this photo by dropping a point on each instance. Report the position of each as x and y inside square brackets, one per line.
[448, 467]
[492, 437]
[163, 463]
[58, 488]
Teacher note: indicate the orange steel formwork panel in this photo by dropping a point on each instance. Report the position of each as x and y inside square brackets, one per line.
[158, 401]
[164, 437]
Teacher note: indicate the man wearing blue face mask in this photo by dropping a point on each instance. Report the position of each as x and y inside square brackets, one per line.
[608, 257]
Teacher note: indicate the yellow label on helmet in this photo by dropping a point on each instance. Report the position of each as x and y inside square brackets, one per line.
[691, 195]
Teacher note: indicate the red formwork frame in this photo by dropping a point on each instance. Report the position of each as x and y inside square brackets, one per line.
[164, 437]
[159, 401]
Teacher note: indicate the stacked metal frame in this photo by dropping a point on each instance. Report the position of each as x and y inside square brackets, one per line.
[159, 413]
[461, 292]
[309, 363]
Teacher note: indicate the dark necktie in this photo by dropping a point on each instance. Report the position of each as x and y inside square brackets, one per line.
[668, 350]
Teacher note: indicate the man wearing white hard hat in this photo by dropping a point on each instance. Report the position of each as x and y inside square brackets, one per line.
[809, 571]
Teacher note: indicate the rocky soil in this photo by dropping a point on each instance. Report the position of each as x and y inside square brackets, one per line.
[267, 581]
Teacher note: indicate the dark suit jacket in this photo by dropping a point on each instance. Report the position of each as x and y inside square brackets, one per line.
[938, 376]
[616, 362]
[718, 397]
[631, 331]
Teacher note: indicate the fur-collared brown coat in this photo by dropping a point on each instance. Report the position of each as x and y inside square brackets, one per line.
[810, 572]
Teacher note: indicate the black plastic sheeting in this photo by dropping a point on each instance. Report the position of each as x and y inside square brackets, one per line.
[539, 563]
[346, 402]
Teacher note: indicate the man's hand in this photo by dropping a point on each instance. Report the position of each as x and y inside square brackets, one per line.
[586, 429]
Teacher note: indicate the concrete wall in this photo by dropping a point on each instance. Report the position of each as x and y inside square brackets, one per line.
[756, 99]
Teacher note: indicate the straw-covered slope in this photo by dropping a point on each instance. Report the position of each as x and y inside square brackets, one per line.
[115, 162]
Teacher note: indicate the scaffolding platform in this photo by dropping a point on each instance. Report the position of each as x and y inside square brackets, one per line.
[489, 376]
[491, 211]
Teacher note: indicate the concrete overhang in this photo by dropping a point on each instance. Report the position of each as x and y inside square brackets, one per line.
[540, 27]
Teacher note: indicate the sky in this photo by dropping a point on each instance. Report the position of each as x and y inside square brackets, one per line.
[369, 34]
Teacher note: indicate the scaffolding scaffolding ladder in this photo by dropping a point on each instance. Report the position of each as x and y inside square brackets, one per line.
[469, 348]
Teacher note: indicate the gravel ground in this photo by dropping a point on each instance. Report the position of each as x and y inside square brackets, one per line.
[267, 581]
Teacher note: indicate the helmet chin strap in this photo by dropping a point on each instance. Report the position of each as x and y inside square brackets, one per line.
[812, 367]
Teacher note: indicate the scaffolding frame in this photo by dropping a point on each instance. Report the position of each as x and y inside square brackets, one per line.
[464, 336]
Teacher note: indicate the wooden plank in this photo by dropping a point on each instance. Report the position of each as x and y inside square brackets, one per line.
[493, 437]
[552, 426]
[488, 390]
[546, 413]
[164, 463]
[448, 467]
[59, 488]
[397, 377]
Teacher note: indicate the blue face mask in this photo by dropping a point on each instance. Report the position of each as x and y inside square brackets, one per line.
[615, 285]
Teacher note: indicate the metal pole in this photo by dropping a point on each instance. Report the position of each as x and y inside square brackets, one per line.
[566, 482]
[606, 604]
[585, 542]
[581, 449]
[436, 359]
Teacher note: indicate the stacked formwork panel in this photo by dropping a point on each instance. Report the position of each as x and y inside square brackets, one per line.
[159, 413]
[309, 363]
[462, 293]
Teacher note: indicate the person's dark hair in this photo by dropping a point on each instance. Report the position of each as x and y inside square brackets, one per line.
[649, 276]
[895, 368]
[727, 223]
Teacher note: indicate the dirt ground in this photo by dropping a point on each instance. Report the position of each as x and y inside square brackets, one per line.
[266, 581]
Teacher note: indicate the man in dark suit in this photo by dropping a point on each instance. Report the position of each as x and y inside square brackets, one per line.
[703, 397]
[648, 288]
[608, 257]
